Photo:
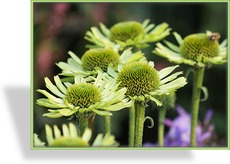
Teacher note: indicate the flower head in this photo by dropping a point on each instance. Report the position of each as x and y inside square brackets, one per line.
[99, 57]
[126, 34]
[144, 82]
[104, 59]
[70, 138]
[198, 50]
[92, 95]
[126, 30]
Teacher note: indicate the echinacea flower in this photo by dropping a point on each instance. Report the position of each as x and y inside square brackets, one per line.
[144, 82]
[103, 59]
[127, 34]
[69, 137]
[100, 96]
[198, 50]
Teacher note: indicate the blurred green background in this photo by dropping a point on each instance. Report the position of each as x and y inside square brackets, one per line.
[60, 27]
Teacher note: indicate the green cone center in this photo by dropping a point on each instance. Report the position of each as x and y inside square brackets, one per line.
[126, 30]
[101, 58]
[83, 95]
[198, 46]
[139, 78]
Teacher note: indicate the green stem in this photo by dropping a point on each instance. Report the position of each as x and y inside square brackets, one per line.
[83, 123]
[139, 123]
[161, 126]
[197, 85]
[107, 124]
[131, 126]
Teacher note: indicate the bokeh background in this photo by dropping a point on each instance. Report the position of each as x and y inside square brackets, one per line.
[60, 27]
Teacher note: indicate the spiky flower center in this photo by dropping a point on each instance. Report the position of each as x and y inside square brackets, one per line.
[69, 142]
[100, 57]
[126, 30]
[139, 78]
[83, 95]
[198, 46]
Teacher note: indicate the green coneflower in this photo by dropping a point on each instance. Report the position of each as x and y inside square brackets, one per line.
[199, 51]
[144, 83]
[126, 30]
[101, 58]
[69, 137]
[127, 34]
[94, 59]
[83, 99]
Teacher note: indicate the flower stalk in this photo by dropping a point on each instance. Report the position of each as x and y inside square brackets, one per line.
[197, 85]
[131, 126]
[139, 123]
[161, 126]
[83, 123]
[107, 124]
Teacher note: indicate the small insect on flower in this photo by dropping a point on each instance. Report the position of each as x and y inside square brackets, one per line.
[215, 36]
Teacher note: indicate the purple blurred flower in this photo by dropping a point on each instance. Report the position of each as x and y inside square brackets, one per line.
[179, 132]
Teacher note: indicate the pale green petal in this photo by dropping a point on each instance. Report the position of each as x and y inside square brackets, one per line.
[178, 38]
[166, 71]
[53, 115]
[49, 134]
[53, 88]
[87, 135]
[66, 112]
[50, 97]
[105, 30]
[171, 77]
[47, 103]
[102, 113]
[38, 142]
[75, 57]
[65, 130]
[172, 46]
[173, 85]
[145, 23]
[57, 132]
[73, 130]
[59, 84]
